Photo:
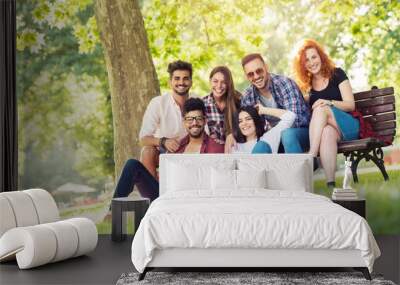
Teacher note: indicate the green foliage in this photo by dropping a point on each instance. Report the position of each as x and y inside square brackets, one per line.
[205, 33]
[87, 35]
[359, 34]
[63, 98]
[370, 33]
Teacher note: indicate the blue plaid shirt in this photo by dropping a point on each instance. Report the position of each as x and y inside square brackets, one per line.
[287, 95]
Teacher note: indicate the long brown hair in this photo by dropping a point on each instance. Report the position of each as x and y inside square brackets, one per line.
[303, 77]
[231, 97]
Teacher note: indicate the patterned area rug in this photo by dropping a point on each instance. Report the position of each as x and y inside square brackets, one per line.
[242, 278]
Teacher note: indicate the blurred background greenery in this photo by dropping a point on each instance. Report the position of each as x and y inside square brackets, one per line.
[65, 118]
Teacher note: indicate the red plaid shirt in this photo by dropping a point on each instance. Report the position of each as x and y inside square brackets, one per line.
[208, 146]
[215, 119]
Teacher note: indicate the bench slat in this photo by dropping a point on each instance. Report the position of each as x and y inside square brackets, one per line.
[377, 109]
[381, 118]
[373, 93]
[389, 132]
[360, 144]
[384, 125]
[375, 101]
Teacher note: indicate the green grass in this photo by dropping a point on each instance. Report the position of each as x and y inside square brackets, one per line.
[77, 212]
[382, 198]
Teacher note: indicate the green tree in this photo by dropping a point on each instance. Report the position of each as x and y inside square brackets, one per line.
[59, 64]
[132, 77]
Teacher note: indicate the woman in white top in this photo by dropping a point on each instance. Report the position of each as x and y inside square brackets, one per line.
[248, 129]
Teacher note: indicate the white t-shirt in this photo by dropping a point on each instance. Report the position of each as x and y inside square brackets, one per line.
[271, 137]
[163, 118]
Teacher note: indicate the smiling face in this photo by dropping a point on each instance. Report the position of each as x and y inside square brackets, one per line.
[218, 85]
[256, 72]
[247, 126]
[194, 123]
[313, 61]
[180, 82]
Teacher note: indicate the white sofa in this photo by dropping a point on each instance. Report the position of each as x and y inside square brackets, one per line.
[31, 231]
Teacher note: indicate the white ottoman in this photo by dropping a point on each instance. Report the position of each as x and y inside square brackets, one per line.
[31, 233]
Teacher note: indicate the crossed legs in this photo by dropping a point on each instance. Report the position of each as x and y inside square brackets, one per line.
[324, 136]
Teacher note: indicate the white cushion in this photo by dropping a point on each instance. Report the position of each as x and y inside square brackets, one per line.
[251, 178]
[67, 239]
[23, 208]
[87, 235]
[45, 205]
[190, 175]
[282, 174]
[32, 246]
[293, 180]
[231, 180]
[7, 220]
[183, 177]
[223, 179]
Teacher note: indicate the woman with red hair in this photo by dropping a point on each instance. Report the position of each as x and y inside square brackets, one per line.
[329, 93]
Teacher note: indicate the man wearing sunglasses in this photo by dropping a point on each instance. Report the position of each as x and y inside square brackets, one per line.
[197, 141]
[277, 91]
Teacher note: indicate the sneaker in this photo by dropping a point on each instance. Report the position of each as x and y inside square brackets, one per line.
[331, 184]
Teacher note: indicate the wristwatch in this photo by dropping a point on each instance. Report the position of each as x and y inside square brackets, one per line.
[331, 103]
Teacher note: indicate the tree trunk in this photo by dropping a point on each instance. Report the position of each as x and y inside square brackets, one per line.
[131, 73]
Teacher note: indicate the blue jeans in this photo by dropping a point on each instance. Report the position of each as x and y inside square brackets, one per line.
[135, 173]
[295, 140]
[261, 147]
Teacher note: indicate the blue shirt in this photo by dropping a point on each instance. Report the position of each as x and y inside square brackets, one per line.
[286, 94]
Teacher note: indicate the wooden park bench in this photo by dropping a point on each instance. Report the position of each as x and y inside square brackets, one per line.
[378, 108]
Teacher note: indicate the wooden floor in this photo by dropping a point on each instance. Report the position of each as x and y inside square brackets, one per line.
[111, 259]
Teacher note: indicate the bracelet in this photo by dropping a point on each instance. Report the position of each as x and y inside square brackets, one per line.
[162, 142]
[331, 103]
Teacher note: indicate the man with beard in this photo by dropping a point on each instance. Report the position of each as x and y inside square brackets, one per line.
[162, 127]
[276, 91]
[197, 141]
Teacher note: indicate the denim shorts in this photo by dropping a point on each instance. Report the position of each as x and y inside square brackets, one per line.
[348, 125]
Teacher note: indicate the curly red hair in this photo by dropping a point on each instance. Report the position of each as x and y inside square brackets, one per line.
[303, 77]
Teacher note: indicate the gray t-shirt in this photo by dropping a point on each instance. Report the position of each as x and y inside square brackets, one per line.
[271, 103]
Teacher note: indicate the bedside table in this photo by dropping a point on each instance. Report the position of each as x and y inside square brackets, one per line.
[119, 207]
[357, 206]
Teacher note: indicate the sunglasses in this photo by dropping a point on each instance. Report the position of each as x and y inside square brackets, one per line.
[199, 119]
[259, 71]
